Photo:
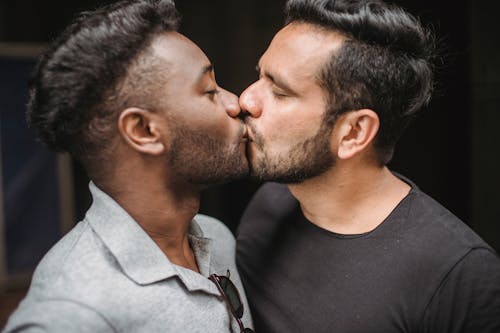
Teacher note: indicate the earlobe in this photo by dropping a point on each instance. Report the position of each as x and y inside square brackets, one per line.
[140, 129]
[357, 129]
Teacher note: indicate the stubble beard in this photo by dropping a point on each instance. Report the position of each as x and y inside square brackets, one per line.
[204, 160]
[306, 159]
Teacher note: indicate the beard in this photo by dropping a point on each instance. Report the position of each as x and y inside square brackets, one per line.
[204, 160]
[306, 159]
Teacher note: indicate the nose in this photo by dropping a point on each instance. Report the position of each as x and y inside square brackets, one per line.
[250, 103]
[230, 102]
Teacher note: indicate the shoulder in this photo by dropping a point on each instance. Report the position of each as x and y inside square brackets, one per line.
[78, 267]
[478, 268]
[436, 240]
[469, 292]
[271, 205]
[57, 315]
[435, 222]
[271, 208]
[271, 198]
[433, 226]
[61, 256]
[265, 219]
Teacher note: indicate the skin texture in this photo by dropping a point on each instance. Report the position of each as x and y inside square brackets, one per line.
[289, 140]
[166, 156]
[331, 171]
[205, 144]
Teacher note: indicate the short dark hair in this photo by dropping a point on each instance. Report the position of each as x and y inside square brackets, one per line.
[90, 72]
[384, 64]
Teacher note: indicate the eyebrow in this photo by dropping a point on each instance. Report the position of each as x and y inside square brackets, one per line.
[203, 72]
[275, 79]
[207, 69]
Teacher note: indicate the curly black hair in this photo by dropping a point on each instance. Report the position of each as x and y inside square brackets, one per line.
[80, 82]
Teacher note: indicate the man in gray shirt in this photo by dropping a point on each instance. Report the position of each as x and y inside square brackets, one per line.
[138, 105]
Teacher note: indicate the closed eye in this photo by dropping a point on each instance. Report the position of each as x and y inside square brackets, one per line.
[212, 93]
[278, 94]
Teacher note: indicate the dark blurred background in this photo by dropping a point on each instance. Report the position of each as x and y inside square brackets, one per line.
[449, 151]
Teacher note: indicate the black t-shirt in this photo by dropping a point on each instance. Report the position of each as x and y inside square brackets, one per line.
[421, 270]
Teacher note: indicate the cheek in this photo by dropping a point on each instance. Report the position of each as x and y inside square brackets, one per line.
[214, 121]
[291, 122]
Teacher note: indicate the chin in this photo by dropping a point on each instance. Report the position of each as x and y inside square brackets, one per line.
[219, 176]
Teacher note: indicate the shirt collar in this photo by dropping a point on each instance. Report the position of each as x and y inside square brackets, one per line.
[137, 254]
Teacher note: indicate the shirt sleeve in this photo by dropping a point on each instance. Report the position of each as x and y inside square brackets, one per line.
[57, 316]
[468, 299]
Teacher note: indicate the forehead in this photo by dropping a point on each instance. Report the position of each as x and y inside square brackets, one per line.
[300, 48]
[182, 56]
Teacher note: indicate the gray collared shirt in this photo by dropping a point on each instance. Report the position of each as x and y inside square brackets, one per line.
[108, 275]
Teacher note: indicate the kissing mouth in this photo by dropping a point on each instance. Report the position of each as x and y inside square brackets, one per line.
[249, 135]
[244, 134]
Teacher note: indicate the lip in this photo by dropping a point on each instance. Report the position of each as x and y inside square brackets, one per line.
[245, 137]
[248, 134]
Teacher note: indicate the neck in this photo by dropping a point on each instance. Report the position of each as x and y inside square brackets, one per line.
[350, 200]
[163, 209]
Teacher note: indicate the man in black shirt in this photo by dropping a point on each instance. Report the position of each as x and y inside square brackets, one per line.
[347, 245]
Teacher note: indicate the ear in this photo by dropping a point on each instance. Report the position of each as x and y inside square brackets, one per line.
[141, 129]
[356, 131]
